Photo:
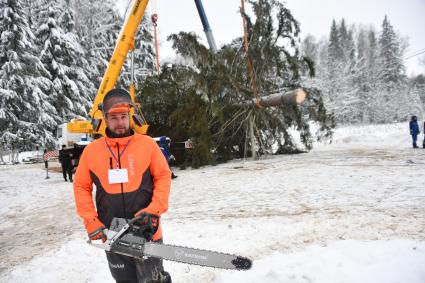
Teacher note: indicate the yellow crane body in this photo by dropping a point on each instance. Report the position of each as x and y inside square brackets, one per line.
[125, 43]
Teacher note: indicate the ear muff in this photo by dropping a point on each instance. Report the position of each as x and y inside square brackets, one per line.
[137, 120]
[96, 124]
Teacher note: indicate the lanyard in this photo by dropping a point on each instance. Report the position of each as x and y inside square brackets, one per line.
[112, 153]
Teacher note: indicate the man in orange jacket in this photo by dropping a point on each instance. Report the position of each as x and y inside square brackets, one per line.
[131, 177]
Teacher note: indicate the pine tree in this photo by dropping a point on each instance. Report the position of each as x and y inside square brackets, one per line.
[335, 49]
[392, 70]
[343, 39]
[26, 116]
[372, 58]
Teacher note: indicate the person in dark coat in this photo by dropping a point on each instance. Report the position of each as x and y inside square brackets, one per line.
[65, 159]
[414, 130]
[163, 145]
[46, 162]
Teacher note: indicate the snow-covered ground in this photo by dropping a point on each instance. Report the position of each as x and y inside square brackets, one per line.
[352, 212]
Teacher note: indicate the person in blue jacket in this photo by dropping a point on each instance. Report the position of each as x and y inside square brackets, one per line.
[163, 144]
[414, 130]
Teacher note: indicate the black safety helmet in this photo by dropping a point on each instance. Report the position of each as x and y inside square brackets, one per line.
[115, 101]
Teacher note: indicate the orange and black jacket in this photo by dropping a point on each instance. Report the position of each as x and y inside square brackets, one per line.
[147, 189]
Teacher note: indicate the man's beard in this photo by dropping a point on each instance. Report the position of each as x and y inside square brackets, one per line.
[112, 134]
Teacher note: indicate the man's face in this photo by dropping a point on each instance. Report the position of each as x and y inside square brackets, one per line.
[118, 123]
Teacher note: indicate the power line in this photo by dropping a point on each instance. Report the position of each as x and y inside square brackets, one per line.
[419, 52]
[413, 52]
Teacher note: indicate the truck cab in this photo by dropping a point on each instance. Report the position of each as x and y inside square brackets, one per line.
[70, 139]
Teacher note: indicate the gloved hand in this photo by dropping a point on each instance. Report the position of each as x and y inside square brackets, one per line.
[148, 224]
[95, 230]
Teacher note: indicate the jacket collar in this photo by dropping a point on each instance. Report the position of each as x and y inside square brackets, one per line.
[112, 142]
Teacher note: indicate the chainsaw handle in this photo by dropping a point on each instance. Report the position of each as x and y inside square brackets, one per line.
[90, 242]
[148, 224]
[149, 216]
[144, 214]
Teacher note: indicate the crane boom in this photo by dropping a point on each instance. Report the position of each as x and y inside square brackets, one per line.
[125, 43]
[206, 25]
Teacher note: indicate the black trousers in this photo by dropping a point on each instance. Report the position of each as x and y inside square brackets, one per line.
[126, 269]
[67, 170]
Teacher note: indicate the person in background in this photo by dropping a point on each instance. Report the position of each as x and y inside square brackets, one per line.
[65, 159]
[46, 162]
[163, 144]
[414, 130]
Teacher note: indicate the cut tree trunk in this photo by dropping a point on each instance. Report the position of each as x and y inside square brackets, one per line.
[290, 97]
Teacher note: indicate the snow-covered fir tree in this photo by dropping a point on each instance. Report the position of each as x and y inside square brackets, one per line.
[26, 115]
[393, 94]
[391, 67]
[62, 55]
[99, 24]
[340, 72]
[53, 56]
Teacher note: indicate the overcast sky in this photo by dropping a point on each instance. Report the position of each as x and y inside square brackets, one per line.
[406, 16]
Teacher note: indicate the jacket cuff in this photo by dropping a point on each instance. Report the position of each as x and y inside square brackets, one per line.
[94, 225]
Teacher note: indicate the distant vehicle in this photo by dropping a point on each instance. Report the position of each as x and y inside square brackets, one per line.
[70, 139]
[34, 157]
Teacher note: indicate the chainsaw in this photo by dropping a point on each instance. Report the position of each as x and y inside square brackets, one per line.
[130, 238]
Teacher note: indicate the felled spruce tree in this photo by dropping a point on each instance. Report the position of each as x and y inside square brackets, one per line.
[201, 99]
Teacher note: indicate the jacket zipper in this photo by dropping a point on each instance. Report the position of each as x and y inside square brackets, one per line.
[122, 185]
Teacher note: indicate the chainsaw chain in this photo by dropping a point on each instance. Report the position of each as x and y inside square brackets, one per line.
[193, 262]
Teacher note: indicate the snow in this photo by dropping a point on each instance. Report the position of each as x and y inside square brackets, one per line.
[22, 157]
[344, 261]
[350, 211]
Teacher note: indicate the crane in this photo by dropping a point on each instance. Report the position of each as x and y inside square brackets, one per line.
[70, 133]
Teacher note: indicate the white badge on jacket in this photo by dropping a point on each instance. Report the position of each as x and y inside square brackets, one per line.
[116, 176]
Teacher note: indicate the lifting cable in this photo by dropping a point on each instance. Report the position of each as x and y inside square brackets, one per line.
[154, 19]
[250, 64]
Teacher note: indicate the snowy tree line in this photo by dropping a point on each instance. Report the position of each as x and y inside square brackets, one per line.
[362, 75]
[53, 54]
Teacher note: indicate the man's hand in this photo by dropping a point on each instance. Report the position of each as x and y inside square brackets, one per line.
[95, 230]
[148, 224]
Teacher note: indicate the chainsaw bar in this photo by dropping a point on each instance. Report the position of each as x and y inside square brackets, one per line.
[122, 240]
[196, 256]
